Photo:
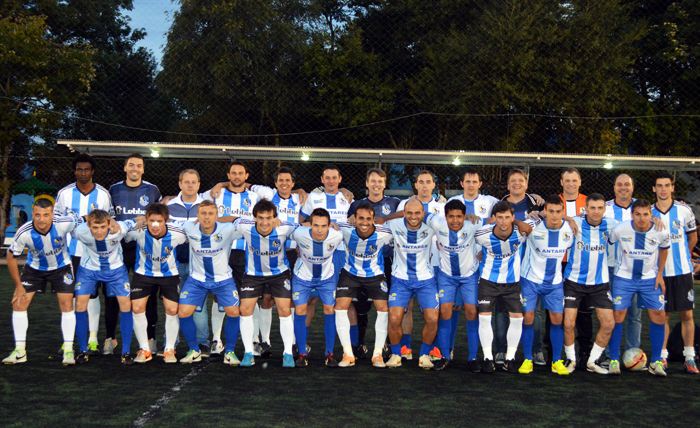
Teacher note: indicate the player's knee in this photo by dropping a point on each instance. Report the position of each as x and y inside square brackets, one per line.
[233, 311]
[328, 309]
[686, 316]
[528, 317]
[395, 319]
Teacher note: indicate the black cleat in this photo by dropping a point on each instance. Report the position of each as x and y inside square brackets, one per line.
[360, 351]
[474, 366]
[82, 358]
[510, 366]
[295, 352]
[127, 359]
[330, 362]
[386, 351]
[301, 361]
[441, 364]
[266, 350]
[206, 352]
[489, 367]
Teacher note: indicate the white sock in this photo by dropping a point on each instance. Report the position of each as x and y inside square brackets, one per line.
[570, 351]
[20, 323]
[664, 354]
[266, 324]
[381, 327]
[287, 333]
[93, 310]
[342, 325]
[596, 352]
[486, 336]
[293, 313]
[689, 353]
[68, 327]
[256, 323]
[172, 330]
[515, 330]
[140, 330]
[246, 333]
[217, 322]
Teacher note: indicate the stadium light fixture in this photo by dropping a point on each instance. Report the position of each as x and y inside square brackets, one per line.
[608, 165]
[155, 153]
[304, 157]
[456, 162]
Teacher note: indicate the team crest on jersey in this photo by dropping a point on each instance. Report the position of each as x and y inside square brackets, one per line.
[610, 296]
[383, 286]
[392, 297]
[626, 239]
[295, 296]
[676, 224]
[168, 250]
[435, 210]
[235, 294]
[423, 234]
[343, 201]
[183, 295]
[582, 211]
[539, 237]
[371, 249]
[386, 209]
[567, 237]
[329, 247]
[58, 240]
[143, 200]
[246, 202]
[463, 235]
[318, 201]
[606, 235]
[482, 209]
[113, 242]
[441, 293]
[287, 285]
[516, 246]
[275, 243]
[653, 241]
[691, 295]
[218, 237]
[93, 206]
[68, 279]
[445, 234]
[617, 301]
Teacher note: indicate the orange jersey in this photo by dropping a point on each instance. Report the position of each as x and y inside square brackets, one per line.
[574, 207]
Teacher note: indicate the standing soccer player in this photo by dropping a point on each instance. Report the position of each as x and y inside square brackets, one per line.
[678, 270]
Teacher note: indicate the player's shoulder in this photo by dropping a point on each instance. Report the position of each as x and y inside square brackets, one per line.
[610, 203]
[486, 229]
[101, 189]
[148, 184]
[24, 229]
[175, 227]
[119, 185]
[682, 208]
[68, 189]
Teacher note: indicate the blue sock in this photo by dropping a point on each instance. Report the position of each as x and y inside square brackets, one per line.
[444, 332]
[473, 338]
[406, 341]
[189, 330]
[526, 338]
[614, 343]
[354, 335]
[329, 330]
[425, 349]
[454, 324]
[307, 333]
[395, 349]
[556, 335]
[656, 333]
[126, 325]
[232, 329]
[81, 329]
[300, 332]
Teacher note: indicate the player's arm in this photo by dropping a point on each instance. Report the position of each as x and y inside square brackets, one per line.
[227, 219]
[523, 227]
[663, 254]
[692, 238]
[572, 223]
[397, 214]
[348, 194]
[20, 294]
[302, 195]
[214, 192]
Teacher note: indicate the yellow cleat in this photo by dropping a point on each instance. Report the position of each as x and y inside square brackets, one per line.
[559, 368]
[526, 368]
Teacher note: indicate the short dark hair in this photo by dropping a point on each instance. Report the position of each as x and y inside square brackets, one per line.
[594, 197]
[132, 156]
[514, 171]
[640, 203]
[380, 172]
[263, 206]
[43, 203]
[471, 170]
[83, 157]
[98, 216]
[455, 204]
[328, 166]
[553, 200]
[158, 209]
[424, 171]
[570, 171]
[284, 170]
[502, 207]
[319, 212]
[663, 174]
[238, 163]
[365, 206]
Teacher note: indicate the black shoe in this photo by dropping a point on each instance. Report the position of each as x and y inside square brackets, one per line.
[330, 362]
[360, 351]
[127, 359]
[295, 352]
[82, 358]
[301, 361]
[510, 366]
[489, 367]
[474, 366]
[266, 350]
[206, 352]
[441, 364]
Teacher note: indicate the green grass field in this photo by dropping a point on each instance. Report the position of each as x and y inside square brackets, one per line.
[42, 392]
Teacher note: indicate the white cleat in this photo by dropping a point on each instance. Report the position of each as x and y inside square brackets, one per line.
[394, 361]
[16, 357]
[257, 349]
[169, 356]
[69, 358]
[217, 348]
[231, 359]
[109, 346]
[595, 367]
[191, 357]
[571, 366]
[424, 362]
[657, 369]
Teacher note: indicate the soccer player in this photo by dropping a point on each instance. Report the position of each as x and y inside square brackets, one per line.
[210, 272]
[156, 267]
[541, 278]
[314, 270]
[47, 261]
[130, 198]
[678, 270]
[102, 261]
[587, 277]
[78, 200]
[641, 257]
[500, 281]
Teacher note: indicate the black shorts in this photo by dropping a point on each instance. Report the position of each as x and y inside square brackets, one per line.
[253, 286]
[62, 280]
[680, 294]
[144, 286]
[507, 295]
[350, 285]
[292, 258]
[236, 261]
[129, 255]
[598, 296]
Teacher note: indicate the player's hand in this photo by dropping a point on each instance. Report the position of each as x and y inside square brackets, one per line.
[216, 190]
[114, 226]
[572, 224]
[538, 199]
[475, 219]
[140, 222]
[276, 222]
[525, 229]
[658, 224]
[440, 198]
[20, 296]
[302, 196]
[348, 194]
[696, 266]
[536, 215]
[660, 283]
[479, 256]
[413, 197]
[351, 220]
[335, 226]
[379, 221]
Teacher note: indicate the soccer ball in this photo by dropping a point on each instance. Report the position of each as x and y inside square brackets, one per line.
[634, 359]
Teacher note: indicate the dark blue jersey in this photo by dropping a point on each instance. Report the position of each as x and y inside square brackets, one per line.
[383, 208]
[130, 202]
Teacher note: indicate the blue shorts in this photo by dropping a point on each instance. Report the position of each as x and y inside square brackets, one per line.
[117, 281]
[402, 290]
[623, 290]
[552, 295]
[301, 290]
[195, 292]
[454, 289]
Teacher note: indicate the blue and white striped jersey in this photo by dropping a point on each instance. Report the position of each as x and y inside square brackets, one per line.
[157, 257]
[501, 262]
[364, 257]
[72, 202]
[209, 253]
[130, 202]
[336, 205]
[411, 251]
[620, 214]
[587, 260]
[287, 208]
[457, 249]
[481, 206]
[638, 252]
[104, 255]
[235, 204]
[266, 254]
[46, 251]
[679, 221]
[181, 212]
[546, 249]
[316, 256]
[432, 207]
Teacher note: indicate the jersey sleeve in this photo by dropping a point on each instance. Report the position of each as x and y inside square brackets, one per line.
[207, 195]
[66, 224]
[156, 193]
[401, 205]
[263, 192]
[18, 245]
[384, 233]
[231, 228]
[690, 225]
[482, 236]
[615, 234]
[287, 229]
[665, 240]
[346, 229]
[435, 221]
[81, 232]
[307, 209]
[132, 235]
[59, 207]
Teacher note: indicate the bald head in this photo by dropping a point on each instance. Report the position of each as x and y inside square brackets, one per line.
[413, 204]
[413, 214]
[624, 187]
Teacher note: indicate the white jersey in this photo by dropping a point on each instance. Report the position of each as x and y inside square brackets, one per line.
[481, 206]
[336, 205]
[638, 252]
[46, 251]
[74, 203]
[501, 262]
[587, 260]
[364, 257]
[104, 255]
[432, 207]
[266, 255]
[237, 205]
[209, 254]
[457, 249]
[619, 214]
[157, 257]
[679, 221]
[315, 262]
[411, 251]
[287, 208]
[546, 249]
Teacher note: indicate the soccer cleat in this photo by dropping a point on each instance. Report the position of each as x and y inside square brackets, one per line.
[406, 353]
[288, 361]
[474, 366]
[614, 368]
[62, 350]
[143, 356]
[359, 351]
[301, 361]
[378, 361]
[538, 359]
[489, 367]
[308, 349]
[231, 359]
[266, 350]
[386, 351]
[169, 356]
[82, 358]
[500, 358]
[435, 354]
[257, 350]
[92, 348]
[109, 346]
[690, 367]
[441, 364]
[664, 362]
[69, 358]
[657, 368]
[295, 351]
[452, 354]
[347, 361]
[604, 362]
[217, 348]
[559, 368]
[249, 360]
[153, 346]
[394, 361]
[191, 357]
[510, 366]
[16, 357]
[526, 367]
[330, 361]
[424, 362]
[127, 359]
[204, 349]
[161, 351]
[571, 365]
[595, 367]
